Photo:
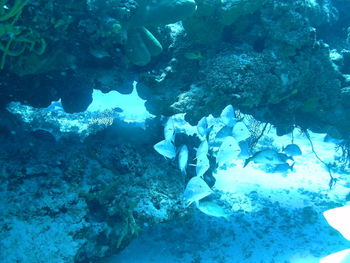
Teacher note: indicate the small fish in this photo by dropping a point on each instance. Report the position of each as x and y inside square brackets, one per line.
[245, 150]
[284, 157]
[223, 133]
[169, 130]
[99, 53]
[332, 182]
[182, 126]
[227, 116]
[183, 158]
[267, 156]
[211, 208]
[211, 121]
[202, 149]
[196, 189]
[240, 131]
[202, 165]
[179, 123]
[292, 150]
[228, 151]
[339, 219]
[283, 168]
[117, 110]
[165, 148]
[342, 256]
[55, 106]
[195, 55]
[202, 127]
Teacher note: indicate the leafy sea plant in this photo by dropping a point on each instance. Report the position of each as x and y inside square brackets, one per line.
[7, 13]
[14, 40]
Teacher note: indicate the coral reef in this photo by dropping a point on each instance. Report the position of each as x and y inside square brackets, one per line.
[211, 17]
[263, 64]
[132, 20]
[73, 194]
[141, 45]
[87, 202]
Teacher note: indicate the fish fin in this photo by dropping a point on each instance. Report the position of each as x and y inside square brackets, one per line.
[188, 203]
[292, 167]
[246, 162]
[196, 203]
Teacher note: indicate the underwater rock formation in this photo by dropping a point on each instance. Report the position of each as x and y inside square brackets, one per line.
[276, 47]
[207, 24]
[77, 195]
[59, 38]
[135, 17]
[264, 64]
[79, 202]
[141, 45]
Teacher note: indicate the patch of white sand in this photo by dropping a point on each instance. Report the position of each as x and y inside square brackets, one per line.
[275, 217]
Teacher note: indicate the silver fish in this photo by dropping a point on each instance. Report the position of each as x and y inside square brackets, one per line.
[211, 208]
[228, 151]
[227, 116]
[284, 157]
[180, 124]
[267, 156]
[202, 127]
[169, 130]
[202, 149]
[165, 148]
[183, 158]
[196, 189]
[217, 135]
[240, 131]
[211, 121]
[245, 150]
[202, 165]
[292, 150]
[223, 133]
[282, 168]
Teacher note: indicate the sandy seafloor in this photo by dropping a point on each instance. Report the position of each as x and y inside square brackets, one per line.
[275, 217]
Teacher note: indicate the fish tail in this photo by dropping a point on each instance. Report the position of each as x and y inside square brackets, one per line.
[246, 162]
[292, 167]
